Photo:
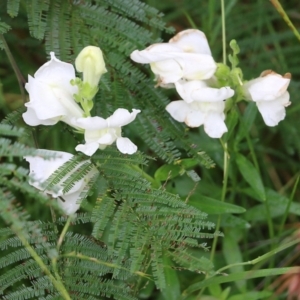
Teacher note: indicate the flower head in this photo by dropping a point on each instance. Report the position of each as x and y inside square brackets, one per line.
[201, 105]
[269, 91]
[41, 169]
[99, 132]
[51, 94]
[186, 56]
[91, 63]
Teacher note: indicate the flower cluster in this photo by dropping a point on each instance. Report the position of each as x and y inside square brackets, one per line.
[186, 63]
[56, 94]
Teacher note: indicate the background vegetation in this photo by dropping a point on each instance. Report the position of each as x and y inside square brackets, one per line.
[148, 242]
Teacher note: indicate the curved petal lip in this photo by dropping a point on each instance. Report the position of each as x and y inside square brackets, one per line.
[126, 146]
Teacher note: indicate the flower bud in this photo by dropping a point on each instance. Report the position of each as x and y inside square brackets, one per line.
[90, 62]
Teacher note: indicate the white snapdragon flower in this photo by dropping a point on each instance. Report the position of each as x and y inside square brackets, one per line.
[201, 105]
[41, 169]
[51, 94]
[269, 91]
[186, 56]
[91, 63]
[99, 132]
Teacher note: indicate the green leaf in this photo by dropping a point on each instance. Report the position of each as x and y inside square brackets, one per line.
[212, 206]
[172, 289]
[167, 172]
[251, 175]
[238, 276]
[233, 255]
[231, 122]
[252, 296]
[277, 206]
[246, 122]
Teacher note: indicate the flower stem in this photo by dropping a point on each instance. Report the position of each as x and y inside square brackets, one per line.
[14, 65]
[285, 17]
[59, 243]
[288, 206]
[223, 195]
[226, 156]
[260, 258]
[56, 283]
[223, 31]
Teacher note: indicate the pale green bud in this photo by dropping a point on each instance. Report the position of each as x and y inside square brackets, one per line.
[90, 62]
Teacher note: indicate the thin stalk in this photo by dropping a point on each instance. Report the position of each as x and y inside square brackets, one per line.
[226, 156]
[287, 209]
[14, 65]
[223, 195]
[59, 243]
[223, 31]
[56, 283]
[260, 258]
[103, 263]
[64, 231]
[285, 17]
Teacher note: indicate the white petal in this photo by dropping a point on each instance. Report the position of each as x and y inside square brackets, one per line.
[121, 117]
[88, 149]
[168, 71]
[69, 205]
[198, 66]
[126, 146]
[155, 53]
[41, 169]
[191, 40]
[56, 70]
[196, 90]
[51, 94]
[31, 119]
[178, 110]
[273, 111]
[91, 123]
[108, 138]
[212, 95]
[214, 125]
[185, 89]
[266, 88]
[195, 118]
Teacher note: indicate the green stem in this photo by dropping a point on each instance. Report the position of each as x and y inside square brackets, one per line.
[223, 31]
[288, 206]
[155, 183]
[285, 17]
[59, 243]
[14, 65]
[226, 156]
[56, 283]
[260, 258]
[103, 263]
[223, 195]
[64, 231]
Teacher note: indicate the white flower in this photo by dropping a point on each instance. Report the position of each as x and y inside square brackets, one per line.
[51, 94]
[201, 105]
[41, 169]
[90, 62]
[186, 56]
[196, 90]
[269, 91]
[99, 132]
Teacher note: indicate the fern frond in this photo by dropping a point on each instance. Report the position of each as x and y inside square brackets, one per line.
[13, 117]
[10, 149]
[13, 7]
[36, 11]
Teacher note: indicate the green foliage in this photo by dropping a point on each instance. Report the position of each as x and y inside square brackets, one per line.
[138, 236]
